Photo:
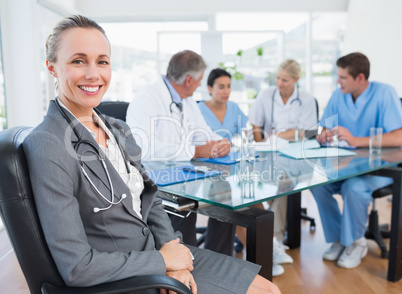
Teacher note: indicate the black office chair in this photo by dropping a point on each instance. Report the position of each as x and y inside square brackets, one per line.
[19, 215]
[116, 109]
[375, 231]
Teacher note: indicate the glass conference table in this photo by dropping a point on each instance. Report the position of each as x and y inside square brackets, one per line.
[229, 196]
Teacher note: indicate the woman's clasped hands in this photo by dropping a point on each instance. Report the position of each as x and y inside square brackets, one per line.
[179, 263]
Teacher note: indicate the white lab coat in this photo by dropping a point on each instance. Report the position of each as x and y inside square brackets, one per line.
[295, 113]
[161, 129]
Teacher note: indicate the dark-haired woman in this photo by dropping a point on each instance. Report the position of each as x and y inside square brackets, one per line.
[224, 117]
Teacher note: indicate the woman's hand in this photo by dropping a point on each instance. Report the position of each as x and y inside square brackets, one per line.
[176, 256]
[213, 149]
[183, 276]
[221, 148]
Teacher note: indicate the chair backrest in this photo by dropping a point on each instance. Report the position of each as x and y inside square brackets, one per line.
[19, 215]
[116, 109]
[317, 109]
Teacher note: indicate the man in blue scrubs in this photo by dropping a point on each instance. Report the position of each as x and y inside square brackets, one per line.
[352, 110]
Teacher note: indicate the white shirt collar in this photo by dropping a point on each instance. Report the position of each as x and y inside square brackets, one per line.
[97, 120]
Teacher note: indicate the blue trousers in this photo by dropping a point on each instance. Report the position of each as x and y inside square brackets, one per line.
[356, 193]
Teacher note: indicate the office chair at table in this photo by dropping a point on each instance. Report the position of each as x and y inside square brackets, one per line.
[20, 218]
[116, 109]
[375, 231]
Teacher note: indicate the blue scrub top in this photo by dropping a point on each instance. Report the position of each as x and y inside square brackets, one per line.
[378, 106]
[233, 121]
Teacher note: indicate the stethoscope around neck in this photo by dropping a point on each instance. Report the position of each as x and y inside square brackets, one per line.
[179, 105]
[297, 99]
[98, 155]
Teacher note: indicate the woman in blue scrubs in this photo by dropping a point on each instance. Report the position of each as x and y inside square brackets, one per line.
[223, 116]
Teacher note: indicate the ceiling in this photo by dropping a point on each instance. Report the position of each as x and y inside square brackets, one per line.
[135, 10]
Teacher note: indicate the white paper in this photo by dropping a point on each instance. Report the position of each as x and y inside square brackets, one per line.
[305, 144]
[273, 143]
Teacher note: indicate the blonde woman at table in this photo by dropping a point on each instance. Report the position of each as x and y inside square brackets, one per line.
[98, 208]
[284, 108]
[286, 111]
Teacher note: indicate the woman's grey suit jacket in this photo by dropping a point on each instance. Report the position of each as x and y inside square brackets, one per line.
[91, 248]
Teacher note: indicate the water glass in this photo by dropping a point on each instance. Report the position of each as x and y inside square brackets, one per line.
[375, 140]
[247, 138]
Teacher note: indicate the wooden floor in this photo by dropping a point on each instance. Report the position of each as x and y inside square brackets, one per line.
[308, 274]
[311, 274]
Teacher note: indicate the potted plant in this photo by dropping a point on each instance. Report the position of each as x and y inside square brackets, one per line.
[260, 52]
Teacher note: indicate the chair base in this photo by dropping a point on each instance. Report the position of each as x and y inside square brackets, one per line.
[378, 232]
[305, 217]
[203, 232]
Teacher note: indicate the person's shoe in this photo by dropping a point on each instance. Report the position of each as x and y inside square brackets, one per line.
[352, 255]
[279, 254]
[277, 270]
[333, 252]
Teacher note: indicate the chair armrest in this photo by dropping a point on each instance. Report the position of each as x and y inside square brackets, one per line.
[122, 286]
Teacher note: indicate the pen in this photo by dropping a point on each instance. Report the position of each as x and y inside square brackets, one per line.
[250, 159]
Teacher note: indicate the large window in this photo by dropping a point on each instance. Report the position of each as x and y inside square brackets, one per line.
[327, 38]
[312, 40]
[251, 46]
[141, 50]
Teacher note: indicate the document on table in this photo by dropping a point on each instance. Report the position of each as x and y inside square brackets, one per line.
[273, 143]
[301, 153]
[305, 144]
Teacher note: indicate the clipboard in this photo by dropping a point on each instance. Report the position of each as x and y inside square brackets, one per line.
[231, 158]
[178, 174]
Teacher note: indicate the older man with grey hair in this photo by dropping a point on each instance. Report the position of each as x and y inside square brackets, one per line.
[167, 124]
[165, 119]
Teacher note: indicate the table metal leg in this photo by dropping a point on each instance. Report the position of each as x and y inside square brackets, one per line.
[294, 220]
[395, 247]
[260, 232]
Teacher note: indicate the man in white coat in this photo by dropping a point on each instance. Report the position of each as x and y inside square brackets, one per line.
[165, 119]
[167, 123]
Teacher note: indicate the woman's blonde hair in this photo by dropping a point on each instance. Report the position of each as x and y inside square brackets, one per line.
[292, 67]
[69, 22]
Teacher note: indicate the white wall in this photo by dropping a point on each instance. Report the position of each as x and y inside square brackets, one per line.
[375, 29]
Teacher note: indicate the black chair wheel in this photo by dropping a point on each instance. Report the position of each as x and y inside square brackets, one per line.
[384, 254]
[238, 246]
[312, 225]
